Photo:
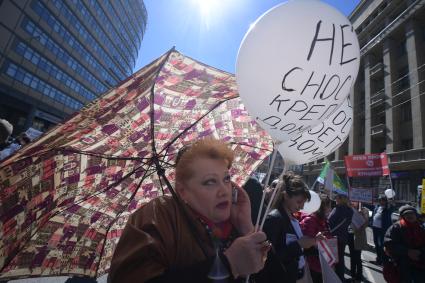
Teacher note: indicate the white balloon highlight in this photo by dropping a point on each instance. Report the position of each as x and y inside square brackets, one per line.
[313, 205]
[296, 65]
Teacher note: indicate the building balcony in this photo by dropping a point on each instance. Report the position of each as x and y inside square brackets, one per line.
[412, 159]
[377, 70]
[378, 130]
[378, 98]
[409, 13]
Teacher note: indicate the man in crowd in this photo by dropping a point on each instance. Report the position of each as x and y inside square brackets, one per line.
[381, 222]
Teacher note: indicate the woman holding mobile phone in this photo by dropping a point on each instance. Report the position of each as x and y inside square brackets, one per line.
[206, 233]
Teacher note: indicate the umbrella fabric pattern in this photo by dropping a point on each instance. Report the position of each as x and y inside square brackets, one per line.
[65, 198]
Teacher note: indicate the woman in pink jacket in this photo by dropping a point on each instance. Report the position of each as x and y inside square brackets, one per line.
[311, 225]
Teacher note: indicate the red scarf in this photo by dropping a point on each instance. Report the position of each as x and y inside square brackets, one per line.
[415, 234]
[220, 230]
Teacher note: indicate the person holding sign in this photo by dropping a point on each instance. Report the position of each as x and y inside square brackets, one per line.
[357, 240]
[339, 220]
[312, 225]
[286, 262]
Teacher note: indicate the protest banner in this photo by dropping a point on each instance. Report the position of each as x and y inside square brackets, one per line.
[357, 220]
[367, 165]
[363, 195]
[329, 250]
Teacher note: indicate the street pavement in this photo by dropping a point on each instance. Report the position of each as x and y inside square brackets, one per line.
[372, 273]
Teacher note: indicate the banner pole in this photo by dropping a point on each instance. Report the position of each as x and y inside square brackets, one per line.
[266, 183]
[348, 184]
[257, 227]
[326, 177]
[312, 186]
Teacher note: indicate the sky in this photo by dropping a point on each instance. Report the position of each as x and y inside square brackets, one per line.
[210, 31]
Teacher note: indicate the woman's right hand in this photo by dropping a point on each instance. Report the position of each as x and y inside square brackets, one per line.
[320, 237]
[247, 254]
[306, 242]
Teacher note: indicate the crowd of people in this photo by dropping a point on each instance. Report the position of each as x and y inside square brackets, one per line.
[205, 234]
[9, 144]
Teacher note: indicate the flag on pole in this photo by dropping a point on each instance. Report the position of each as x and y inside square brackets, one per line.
[331, 180]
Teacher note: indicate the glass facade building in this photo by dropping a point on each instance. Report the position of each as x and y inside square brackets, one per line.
[56, 55]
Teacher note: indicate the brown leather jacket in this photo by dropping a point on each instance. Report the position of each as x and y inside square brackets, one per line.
[156, 238]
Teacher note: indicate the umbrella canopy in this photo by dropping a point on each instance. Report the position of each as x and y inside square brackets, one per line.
[66, 197]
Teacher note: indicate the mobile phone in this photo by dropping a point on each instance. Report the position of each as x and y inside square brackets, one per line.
[234, 195]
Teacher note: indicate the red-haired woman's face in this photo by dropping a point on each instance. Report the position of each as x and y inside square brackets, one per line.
[208, 190]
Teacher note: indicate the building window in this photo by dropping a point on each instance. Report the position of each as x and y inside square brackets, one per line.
[73, 43]
[88, 18]
[32, 56]
[402, 49]
[382, 118]
[62, 55]
[40, 86]
[406, 111]
[403, 81]
[423, 33]
[406, 144]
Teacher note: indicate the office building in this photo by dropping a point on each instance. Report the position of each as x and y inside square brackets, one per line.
[56, 56]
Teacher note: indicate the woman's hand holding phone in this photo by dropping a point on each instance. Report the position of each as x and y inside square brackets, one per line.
[240, 214]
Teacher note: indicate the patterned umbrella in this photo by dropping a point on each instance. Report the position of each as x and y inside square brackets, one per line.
[65, 198]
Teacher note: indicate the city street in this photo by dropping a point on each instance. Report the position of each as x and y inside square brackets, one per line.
[371, 272]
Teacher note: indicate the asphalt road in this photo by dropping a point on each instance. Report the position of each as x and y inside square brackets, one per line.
[372, 273]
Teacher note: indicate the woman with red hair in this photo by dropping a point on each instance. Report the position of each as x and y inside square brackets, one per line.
[200, 234]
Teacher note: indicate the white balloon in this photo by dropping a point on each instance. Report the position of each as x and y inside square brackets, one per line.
[313, 205]
[321, 140]
[296, 65]
[389, 193]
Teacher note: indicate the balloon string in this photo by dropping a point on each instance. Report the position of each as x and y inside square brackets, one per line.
[260, 228]
[273, 159]
[272, 198]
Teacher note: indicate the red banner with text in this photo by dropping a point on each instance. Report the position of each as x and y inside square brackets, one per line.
[367, 165]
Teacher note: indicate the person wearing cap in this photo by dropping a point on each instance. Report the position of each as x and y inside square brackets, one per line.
[381, 222]
[405, 243]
